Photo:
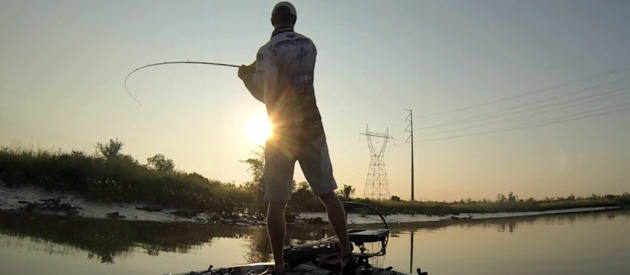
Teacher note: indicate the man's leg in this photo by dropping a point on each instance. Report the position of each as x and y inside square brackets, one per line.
[279, 166]
[337, 218]
[276, 228]
[317, 168]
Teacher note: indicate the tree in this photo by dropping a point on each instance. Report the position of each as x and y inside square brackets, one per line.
[346, 192]
[160, 163]
[302, 192]
[512, 197]
[110, 150]
[395, 198]
[501, 198]
[256, 187]
[256, 167]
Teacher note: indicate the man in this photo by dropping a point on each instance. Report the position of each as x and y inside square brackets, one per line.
[282, 78]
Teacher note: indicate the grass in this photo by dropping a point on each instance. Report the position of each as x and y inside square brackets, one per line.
[115, 177]
[118, 179]
[454, 208]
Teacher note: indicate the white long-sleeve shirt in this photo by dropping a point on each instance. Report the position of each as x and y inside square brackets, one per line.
[284, 82]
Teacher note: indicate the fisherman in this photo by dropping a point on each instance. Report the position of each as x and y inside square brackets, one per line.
[282, 79]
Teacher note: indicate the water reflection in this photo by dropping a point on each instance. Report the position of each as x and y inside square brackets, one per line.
[510, 224]
[411, 253]
[106, 240]
[575, 243]
[109, 240]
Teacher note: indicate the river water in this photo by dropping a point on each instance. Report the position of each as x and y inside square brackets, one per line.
[572, 243]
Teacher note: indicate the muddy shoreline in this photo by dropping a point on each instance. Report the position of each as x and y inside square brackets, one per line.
[29, 199]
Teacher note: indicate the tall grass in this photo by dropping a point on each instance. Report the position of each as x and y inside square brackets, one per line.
[118, 179]
[115, 177]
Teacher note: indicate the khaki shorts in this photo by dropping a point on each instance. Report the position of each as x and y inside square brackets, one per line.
[280, 157]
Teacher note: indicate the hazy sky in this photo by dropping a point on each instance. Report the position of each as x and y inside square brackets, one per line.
[524, 96]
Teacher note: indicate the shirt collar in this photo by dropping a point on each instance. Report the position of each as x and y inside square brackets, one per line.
[281, 30]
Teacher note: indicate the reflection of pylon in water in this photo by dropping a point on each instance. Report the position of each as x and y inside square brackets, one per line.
[376, 186]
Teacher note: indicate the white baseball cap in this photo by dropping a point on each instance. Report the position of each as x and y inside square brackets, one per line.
[284, 7]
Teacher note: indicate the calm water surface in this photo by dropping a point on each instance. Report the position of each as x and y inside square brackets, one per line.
[584, 243]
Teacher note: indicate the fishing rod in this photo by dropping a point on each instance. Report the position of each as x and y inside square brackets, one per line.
[173, 62]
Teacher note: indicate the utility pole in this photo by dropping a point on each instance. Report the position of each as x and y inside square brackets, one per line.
[376, 186]
[410, 139]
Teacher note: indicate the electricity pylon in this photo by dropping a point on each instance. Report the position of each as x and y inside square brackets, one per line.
[376, 186]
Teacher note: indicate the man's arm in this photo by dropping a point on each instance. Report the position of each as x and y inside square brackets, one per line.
[266, 75]
[263, 80]
[246, 73]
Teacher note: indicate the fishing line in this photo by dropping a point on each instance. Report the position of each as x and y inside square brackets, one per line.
[172, 62]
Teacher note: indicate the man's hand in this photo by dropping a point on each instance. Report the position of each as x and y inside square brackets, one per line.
[246, 71]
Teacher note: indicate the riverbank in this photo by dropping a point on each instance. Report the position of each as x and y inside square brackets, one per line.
[29, 199]
[20, 198]
[117, 186]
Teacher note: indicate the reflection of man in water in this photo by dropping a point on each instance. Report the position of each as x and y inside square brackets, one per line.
[282, 78]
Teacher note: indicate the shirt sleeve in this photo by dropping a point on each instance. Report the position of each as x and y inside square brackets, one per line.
[266, 75]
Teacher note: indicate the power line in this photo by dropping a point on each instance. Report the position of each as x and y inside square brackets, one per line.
[537, 113]
[536, 124]
[526, 94]
[395, 147]
[483, 116]
[350, 152]
[563, 102]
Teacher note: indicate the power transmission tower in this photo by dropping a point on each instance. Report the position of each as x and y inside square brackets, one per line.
[410, 140]
[376, 186]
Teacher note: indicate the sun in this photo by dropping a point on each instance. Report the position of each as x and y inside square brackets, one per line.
[257, 129]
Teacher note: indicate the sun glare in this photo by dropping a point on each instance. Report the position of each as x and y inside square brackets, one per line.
[257, 129]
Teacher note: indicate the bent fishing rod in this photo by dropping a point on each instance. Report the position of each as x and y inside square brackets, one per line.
[173, 62]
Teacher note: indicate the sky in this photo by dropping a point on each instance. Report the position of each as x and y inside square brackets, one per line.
[529, 97]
